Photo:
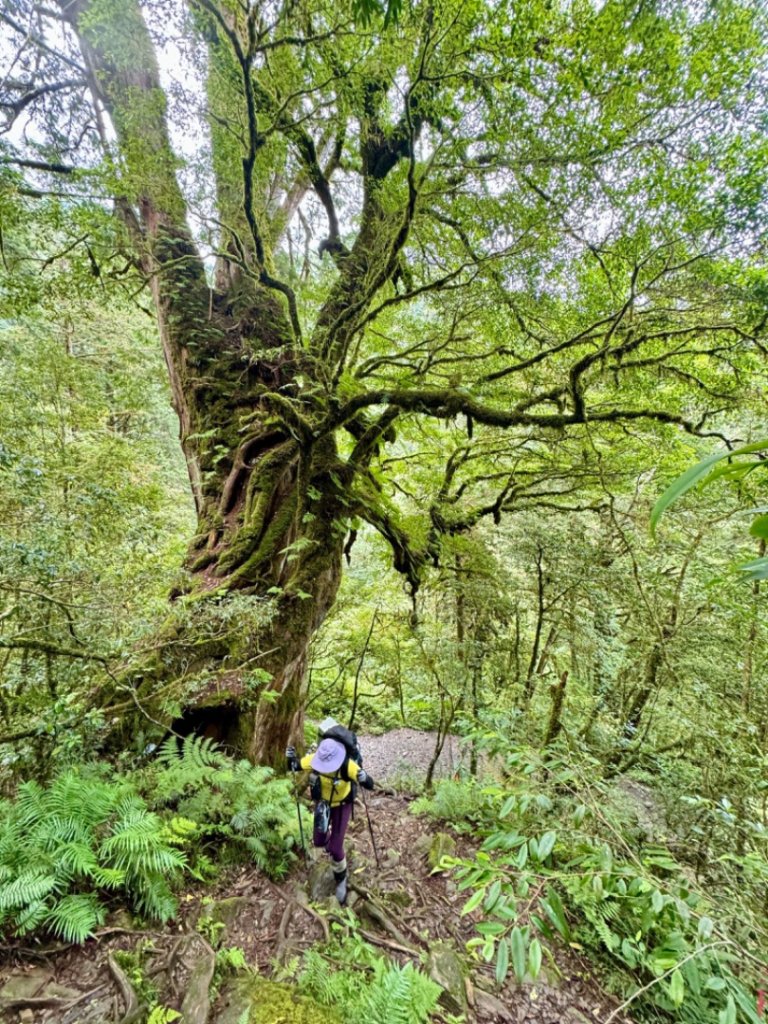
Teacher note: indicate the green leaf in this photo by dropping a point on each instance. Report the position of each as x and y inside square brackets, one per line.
[706, 927]
[759, 528]
[502, 961]
[517, 940]
[757, 569]
[534, 958]
[676, 988]
[493, 896]
[546, 845]
[507, 806]
[487, 928]
[728, 1015]
[696, 475]
[553, 908]
[473, 902]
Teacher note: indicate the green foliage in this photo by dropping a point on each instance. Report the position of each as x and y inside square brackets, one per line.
[163, 1015]
[63, 847]
[229, 961]
[456, 801]
[359, 984]
[231, 802]
[558, 863]
[89, 837]
[703, 474]
[93, 492]
[561, 236]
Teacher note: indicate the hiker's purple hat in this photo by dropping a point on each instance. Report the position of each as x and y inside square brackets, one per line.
[328, 757]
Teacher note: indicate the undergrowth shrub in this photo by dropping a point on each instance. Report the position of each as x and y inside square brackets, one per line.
[350, 977]
[463, 802]
[64, 846]
[234, 805]
[92, 837]
[558, 865]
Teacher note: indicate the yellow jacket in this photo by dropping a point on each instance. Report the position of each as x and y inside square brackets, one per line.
[334, 788]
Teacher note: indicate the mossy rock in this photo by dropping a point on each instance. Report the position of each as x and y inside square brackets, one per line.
[441, 846]
[320, 881]
[258, 1001]
[215, 919]
[445, 966]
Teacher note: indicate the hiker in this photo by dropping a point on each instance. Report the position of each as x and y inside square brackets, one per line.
[332, 782]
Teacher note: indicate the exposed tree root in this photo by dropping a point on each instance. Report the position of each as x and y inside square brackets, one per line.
[133, 1008]
[197, 1002]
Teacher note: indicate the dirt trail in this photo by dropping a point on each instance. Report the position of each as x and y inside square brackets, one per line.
[401, 907]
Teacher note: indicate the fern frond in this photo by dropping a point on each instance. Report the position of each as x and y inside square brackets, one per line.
[28, 887]
[73, 918]
[31, 916]
[154, 898]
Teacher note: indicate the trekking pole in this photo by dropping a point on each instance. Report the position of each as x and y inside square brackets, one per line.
[298, 814]
[370, 829]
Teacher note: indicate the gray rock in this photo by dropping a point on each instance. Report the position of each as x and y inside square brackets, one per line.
[644, 805]
[445, 967]
[320, 883]
[197, 1001]
[25, 985]
[423, 844]
[490, 1005]
[216, 918]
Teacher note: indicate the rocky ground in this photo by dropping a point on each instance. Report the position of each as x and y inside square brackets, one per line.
[400, 906]
[402, 756]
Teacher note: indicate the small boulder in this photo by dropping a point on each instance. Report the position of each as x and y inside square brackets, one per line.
[422, 844]
[320, 883]
[445, 968]
[216, 918]
[442, 845]
[24, 985]
[491, 1006]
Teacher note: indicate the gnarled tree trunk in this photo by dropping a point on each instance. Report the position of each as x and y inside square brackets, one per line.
[254, 400]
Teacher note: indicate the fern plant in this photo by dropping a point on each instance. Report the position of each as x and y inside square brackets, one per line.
[369, 986]
[397, 995]
[64, 848]
[231, 802]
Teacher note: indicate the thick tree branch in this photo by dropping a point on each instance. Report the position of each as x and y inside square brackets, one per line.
[44, 647]
[445, 403]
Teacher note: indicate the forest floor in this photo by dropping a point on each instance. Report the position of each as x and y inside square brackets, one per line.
[400, 907]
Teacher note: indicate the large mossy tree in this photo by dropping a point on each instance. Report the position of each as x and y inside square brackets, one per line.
[474, 234]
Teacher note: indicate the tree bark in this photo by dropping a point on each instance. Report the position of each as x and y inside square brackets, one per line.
[555, 723]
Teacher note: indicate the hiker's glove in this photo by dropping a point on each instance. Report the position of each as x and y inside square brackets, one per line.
[365, 779]
[293, 761]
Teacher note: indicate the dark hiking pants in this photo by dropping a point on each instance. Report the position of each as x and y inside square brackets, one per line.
[333, 839]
